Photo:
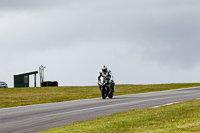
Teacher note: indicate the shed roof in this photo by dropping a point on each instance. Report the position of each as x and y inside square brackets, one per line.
[29, 73]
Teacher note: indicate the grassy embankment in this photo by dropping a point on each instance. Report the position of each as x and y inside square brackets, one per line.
[11, 97]
[181, 117]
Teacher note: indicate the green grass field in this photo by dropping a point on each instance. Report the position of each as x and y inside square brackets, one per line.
[180, 118]
[10, 97]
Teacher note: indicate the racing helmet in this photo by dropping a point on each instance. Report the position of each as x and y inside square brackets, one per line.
[104, 69]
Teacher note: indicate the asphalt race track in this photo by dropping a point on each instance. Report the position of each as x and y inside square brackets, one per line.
[37, 118]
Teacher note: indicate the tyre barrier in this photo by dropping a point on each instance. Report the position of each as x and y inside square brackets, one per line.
[49, 83]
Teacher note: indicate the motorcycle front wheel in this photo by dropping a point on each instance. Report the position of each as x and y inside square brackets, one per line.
[103, 93]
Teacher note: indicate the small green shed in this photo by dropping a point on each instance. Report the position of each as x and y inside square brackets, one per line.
[22, 80]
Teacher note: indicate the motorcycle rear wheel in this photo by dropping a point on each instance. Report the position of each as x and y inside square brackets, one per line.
[110, 95]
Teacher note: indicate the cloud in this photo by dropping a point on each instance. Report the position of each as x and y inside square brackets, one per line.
[24, 5]
[74, 38]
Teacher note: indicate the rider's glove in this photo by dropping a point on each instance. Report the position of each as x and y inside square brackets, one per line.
[98, 83]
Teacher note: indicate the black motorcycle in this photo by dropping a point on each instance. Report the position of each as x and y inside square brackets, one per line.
[106, 88]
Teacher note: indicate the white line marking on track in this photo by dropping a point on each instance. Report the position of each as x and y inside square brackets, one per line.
[165, 105]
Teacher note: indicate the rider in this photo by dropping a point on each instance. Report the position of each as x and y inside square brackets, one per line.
[104, 72]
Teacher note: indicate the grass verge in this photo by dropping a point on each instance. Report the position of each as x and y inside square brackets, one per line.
[181, 117]
[11, 97]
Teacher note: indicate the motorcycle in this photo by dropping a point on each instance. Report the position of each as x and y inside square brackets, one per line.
[106, 88]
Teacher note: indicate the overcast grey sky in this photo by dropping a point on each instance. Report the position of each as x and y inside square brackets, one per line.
[141, 41]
